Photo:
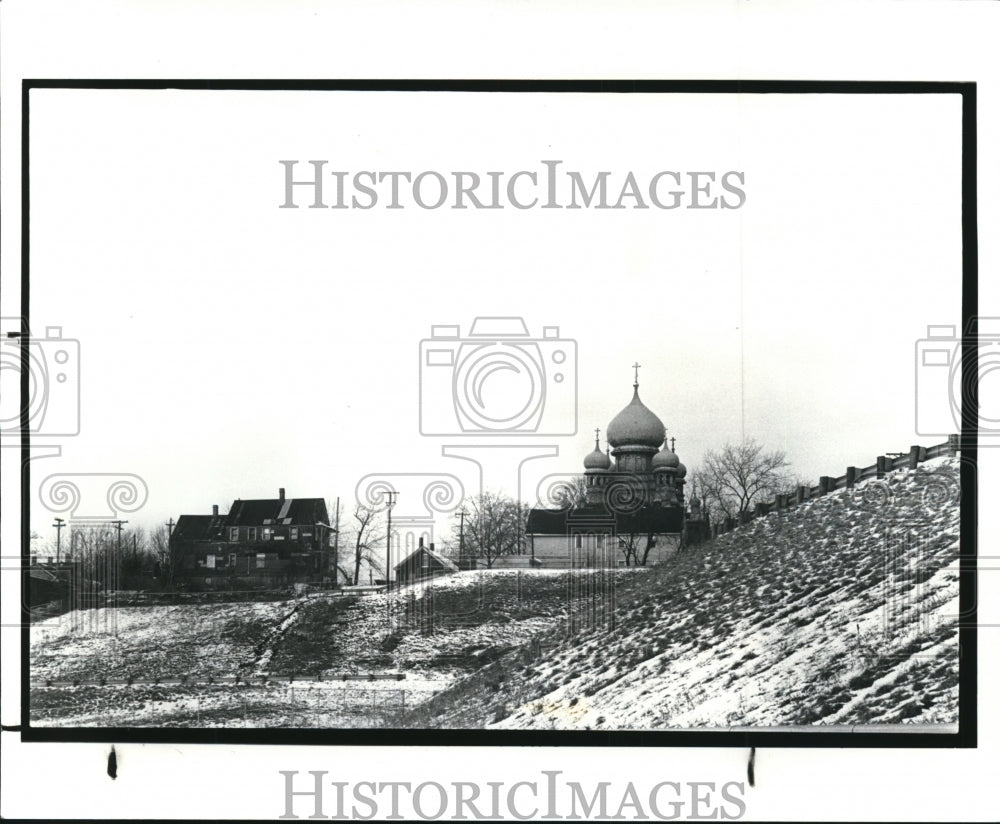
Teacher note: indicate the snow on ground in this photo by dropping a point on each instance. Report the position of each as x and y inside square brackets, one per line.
[427, 635]
[842, 610]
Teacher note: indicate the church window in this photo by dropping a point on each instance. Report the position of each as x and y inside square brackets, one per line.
[579, 541]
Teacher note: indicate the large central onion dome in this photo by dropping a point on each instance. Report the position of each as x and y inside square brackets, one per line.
[635, 425]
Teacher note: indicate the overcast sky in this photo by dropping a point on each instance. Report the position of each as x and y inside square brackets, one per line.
[229, 347]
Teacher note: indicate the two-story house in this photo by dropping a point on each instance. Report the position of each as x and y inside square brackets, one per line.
[261, 544]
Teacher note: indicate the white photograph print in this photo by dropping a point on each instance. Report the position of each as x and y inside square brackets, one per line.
[554, 408]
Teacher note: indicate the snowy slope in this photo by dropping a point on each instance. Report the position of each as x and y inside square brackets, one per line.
[308, 661]
[842, 610]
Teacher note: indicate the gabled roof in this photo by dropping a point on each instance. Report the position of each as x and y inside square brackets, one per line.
[198, 527]
[447, 563]
[660, 520]
[294, 511]
[38, 573]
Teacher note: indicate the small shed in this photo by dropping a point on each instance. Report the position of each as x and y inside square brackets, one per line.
[423, 563]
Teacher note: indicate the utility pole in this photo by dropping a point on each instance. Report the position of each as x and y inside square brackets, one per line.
[112, 564]
[462, 561]
[118, 540]
[388, 534]
[336, 545]
[59, 524]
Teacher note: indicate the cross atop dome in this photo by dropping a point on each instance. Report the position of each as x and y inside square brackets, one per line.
[597, 459]
[636, 366]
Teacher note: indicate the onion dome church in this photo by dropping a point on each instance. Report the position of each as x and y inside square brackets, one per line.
[632, 510]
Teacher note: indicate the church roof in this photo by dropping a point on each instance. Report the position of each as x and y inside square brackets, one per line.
[597, 459]
[636, 425]
[660, 520]
[665, 459]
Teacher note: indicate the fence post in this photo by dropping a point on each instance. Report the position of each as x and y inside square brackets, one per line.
[954, 442]
[801, 494]
[825, 484]
[915, 457]
[880, 466]
[762, 509]
[850, 477]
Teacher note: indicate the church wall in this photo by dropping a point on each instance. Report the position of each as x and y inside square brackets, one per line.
[565, 552]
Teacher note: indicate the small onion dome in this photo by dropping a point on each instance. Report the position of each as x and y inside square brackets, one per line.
[636, 425]
[597, 459]
[681, 470]
[665, 459]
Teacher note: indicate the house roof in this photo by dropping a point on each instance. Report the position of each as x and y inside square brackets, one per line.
[659, 520]
[38, 573]
[297, 511]
[198, 527]
[447, 563]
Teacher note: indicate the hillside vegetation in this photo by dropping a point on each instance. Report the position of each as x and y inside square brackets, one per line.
[309, 661]
[842, 610]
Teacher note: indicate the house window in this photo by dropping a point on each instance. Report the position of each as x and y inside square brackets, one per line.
[261, 557]
[295, 533]
[267, 533]
[210, 562]
[252, 533]
[234, 533]
[232, 560]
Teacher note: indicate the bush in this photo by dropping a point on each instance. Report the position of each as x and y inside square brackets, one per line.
[391, 641]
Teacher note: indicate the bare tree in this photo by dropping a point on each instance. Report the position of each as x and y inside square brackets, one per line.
[159, 545]
[577, 490]
[629, 543]
[494, 526]
[368, 539]
[737, 476]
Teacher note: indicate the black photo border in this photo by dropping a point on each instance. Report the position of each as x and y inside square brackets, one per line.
[965, 737]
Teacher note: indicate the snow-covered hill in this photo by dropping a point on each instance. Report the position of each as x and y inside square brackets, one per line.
[842, 610]
[310, 661]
